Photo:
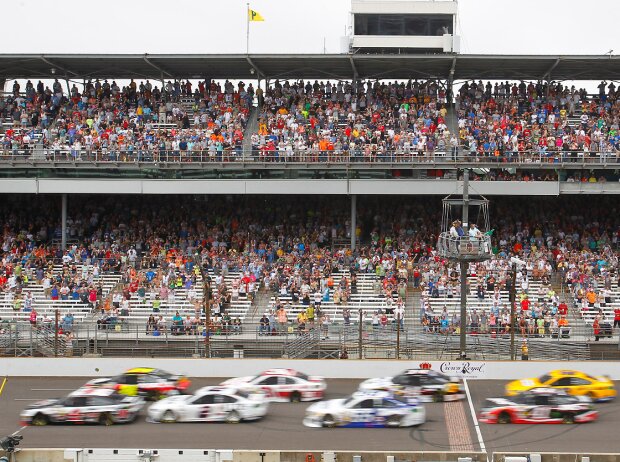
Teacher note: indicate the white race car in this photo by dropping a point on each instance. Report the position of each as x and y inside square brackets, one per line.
[366, 409]
[210, 404]
[425, 385]
[86, 405]
[282, 385]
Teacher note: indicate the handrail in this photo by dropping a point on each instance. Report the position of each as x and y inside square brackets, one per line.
[25, 156]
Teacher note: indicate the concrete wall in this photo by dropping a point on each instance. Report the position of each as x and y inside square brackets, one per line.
[308, 187]
[354, 369]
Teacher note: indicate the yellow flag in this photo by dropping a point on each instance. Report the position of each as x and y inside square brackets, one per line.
[254, 16]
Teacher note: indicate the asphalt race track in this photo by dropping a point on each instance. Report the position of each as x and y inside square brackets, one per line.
[599, 436]
[282, 429]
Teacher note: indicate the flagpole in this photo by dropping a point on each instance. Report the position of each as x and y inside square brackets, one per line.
[247, 28]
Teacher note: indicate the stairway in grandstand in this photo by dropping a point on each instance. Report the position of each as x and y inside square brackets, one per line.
[250, 128]
[452, 120]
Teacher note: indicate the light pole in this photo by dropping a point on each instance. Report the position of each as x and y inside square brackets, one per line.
[464, 266]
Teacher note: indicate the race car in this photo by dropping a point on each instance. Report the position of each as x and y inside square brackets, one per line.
[210, 404]
[151, 383]
[366, 409]
[425, 385]
[282, 385]
[539, 405]
[102, 406]
[573, 382]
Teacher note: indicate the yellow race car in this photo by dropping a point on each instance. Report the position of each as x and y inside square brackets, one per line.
[573, 382]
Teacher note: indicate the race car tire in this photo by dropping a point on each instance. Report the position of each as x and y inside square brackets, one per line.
[40, 419]
[106, 419]
[233, 417]
[568, 419]
[438, 397]
[295, 397]
[393, 421]
[168, 417]
[329, 421]
[504, 418]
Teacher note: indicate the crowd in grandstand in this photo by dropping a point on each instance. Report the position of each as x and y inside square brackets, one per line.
[152, 243]
[137, 122]
[319, 121]
[510, 120]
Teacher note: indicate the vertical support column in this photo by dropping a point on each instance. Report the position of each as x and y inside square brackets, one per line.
[513, 300]
[64, 222]
[2, 84]
[464, 266]
[353, 221]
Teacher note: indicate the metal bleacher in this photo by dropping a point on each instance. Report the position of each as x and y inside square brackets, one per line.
[368, 297]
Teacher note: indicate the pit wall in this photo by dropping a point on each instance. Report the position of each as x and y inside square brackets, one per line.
[195, 455]
[336, 369]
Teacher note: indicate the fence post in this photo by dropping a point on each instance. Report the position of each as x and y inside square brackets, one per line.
[359, 339]
[31, 346]
[56, 316]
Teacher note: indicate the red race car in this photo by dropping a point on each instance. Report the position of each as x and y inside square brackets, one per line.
[539, 405]
[282, 385]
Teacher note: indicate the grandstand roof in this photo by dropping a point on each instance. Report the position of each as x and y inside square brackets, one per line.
[325, 66]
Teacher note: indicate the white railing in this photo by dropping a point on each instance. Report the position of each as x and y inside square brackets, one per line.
[67, 155]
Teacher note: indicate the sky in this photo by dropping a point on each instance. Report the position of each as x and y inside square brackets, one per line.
[292, 26]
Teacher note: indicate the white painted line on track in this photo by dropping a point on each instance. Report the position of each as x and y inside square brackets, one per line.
[52, 389]
[28, 399]
[15, 433]
[475, 418]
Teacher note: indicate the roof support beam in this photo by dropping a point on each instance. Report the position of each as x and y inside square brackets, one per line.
[547, 75]
[356, 75]
[155, 66]
[452, 70]
[66, 71]
[260, 73]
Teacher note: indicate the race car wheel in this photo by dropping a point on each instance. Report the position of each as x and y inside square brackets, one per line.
[40, 420]
[233, 417]
[106, 419]
[168, 417]
[504, 418]
[295, 397]
[393, 421]
[329, 421]
[437, 397]
[568, 419]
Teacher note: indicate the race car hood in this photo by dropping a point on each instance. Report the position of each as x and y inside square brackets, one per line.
[43, 403]
[522, 384]
[99, 382]
[237, 381]
[376, 383]
[171, 400]
[498, 402]
[325, 406]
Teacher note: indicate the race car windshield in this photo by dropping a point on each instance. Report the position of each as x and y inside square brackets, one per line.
[399, 399]
[302, 376]
[544, 378]
[161, 374]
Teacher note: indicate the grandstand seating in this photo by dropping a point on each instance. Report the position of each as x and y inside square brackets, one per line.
[367, 298]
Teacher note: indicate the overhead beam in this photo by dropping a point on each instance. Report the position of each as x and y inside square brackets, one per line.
[547, 75]
[65, 70]
[260, 73]
[155, 66]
